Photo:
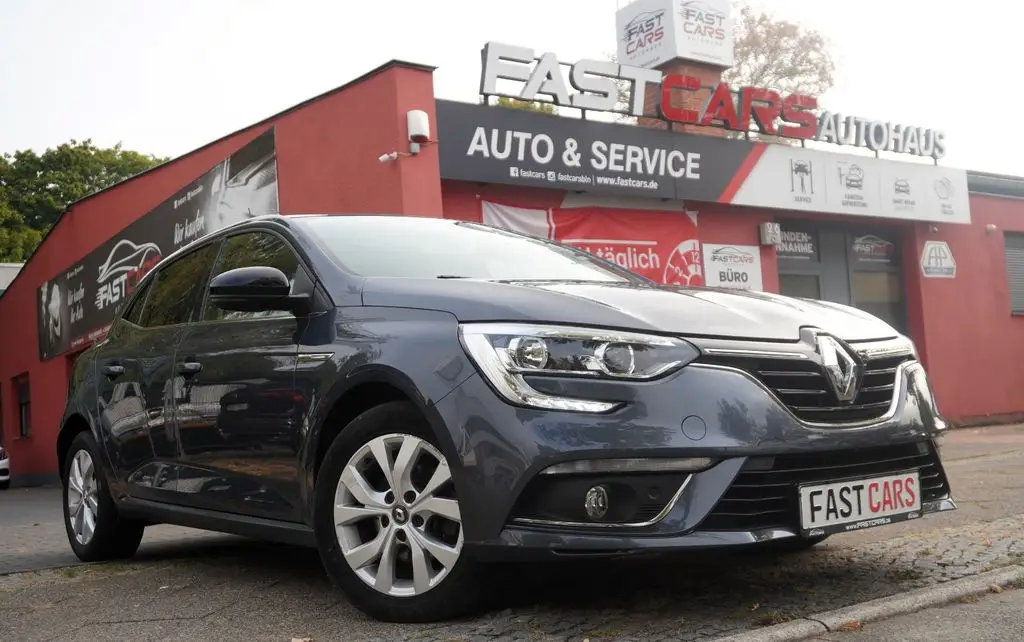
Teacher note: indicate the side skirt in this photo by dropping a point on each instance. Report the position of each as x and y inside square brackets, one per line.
[241, 525]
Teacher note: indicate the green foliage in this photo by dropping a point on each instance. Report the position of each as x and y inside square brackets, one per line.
[35, 188]
[527, 105]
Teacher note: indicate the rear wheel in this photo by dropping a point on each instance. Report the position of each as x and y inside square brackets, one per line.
[388, 522]
[95, 528]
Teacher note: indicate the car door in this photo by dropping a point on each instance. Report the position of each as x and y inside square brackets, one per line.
[137, 377]
[240, 425]
[124, 364]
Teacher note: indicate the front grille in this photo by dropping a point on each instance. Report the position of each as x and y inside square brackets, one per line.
[764, 493]
[804, 388]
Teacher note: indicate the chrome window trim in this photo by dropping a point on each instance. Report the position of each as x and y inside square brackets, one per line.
[879, 349]
[672, 503]
[903, 373]
[313, 357]
[759, 354]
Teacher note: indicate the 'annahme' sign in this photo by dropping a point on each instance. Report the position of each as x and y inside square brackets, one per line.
[595, 85]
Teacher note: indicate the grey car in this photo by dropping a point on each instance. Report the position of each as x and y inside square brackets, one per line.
[418, 397]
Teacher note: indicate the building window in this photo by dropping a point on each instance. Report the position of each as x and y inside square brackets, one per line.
[23, 395]
[1014, 253]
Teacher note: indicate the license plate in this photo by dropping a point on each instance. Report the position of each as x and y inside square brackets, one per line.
[855, 504]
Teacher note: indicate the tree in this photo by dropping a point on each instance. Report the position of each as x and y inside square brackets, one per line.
[17, 240]
[37, 187]
[779, 55]
[527, 105]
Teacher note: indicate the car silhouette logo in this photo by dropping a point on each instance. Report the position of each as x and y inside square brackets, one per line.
[853, 177]
[731, 255]
[698, 6]
[902, 186]
[125, 257]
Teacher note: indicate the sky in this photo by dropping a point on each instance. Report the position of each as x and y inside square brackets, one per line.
[167, 76]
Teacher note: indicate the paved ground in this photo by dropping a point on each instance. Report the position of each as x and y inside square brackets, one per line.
[187, 586]
[996, 618]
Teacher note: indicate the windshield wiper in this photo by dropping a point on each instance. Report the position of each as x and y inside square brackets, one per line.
[450, 276]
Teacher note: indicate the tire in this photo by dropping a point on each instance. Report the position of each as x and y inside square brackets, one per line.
[113, 536]
[4, 485]
[391, 526]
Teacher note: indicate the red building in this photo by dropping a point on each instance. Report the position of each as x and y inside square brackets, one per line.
[900, 239]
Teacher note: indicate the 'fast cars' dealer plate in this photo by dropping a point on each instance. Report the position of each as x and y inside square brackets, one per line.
[859, 503]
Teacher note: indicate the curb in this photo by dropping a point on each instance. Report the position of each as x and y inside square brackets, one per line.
[882, 608]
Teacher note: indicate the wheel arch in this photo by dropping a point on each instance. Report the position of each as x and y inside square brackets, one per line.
[74, 424]
[367, 388]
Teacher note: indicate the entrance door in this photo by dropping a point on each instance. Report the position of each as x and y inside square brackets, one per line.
[858, 266]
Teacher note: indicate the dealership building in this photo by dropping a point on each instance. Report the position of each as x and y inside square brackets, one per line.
[845, 209]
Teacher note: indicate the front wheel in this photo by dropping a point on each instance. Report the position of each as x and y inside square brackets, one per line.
[96, 530]
[388, 522]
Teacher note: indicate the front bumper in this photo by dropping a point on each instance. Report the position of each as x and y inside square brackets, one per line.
[5, 470]
[701, 411]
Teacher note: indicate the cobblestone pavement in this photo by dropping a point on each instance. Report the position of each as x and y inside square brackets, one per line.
[32, 533]
[191, 586]
[264, 592]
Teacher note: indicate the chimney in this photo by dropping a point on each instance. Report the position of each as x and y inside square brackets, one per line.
[709, 76]
[687, 37]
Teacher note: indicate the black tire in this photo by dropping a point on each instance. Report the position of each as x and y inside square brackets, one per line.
[4, 485]
[114, 537]
[459, 593]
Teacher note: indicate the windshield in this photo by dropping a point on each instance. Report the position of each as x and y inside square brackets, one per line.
[416, 247]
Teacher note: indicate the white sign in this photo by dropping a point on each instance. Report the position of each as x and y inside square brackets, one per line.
[937, 260]
[792, 178]
[653, 32]
[733, 266]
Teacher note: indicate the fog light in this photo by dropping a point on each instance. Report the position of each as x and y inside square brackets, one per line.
[596, 502]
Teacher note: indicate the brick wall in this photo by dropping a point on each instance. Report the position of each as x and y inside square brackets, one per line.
[708, 75]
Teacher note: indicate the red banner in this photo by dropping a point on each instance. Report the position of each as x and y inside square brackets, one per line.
[662, 246]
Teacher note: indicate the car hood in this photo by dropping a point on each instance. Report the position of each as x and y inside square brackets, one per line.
[708, 312]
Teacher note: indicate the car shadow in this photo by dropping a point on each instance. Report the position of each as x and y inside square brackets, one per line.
[736, 589]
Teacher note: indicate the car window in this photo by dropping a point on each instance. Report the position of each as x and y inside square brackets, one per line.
[134, 312]
[176, 295]
[248, 250]
[426, 248]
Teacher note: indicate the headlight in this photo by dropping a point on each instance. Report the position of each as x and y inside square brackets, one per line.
[504, 353]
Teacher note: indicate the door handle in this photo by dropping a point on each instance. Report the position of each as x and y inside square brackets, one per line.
[113, 370]
[189, 367]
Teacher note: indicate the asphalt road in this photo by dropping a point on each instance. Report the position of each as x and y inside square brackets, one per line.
[187, 585]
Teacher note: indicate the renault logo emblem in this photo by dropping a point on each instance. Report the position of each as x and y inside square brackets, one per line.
[841, 369]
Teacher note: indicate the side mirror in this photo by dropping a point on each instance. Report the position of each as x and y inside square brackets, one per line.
[251, 289]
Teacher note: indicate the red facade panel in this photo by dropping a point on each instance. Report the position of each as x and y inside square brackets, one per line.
[327, 158]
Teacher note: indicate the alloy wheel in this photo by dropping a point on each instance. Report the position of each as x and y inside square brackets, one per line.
[396, 516]
[83, 497]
